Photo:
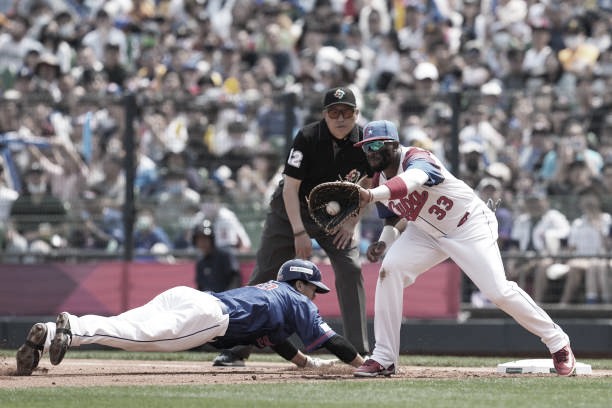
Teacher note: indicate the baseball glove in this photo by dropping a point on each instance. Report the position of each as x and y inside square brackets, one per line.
[333, 203]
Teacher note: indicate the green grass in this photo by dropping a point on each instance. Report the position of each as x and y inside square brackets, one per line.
[512, 391]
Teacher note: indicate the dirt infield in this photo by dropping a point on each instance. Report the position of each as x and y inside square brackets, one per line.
[85, 373]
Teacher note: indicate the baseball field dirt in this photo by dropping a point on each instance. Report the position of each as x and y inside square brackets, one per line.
[89, 372]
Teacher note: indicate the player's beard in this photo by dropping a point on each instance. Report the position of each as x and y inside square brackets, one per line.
[382, 160]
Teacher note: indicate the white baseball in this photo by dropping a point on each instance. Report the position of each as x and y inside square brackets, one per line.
[332, 208]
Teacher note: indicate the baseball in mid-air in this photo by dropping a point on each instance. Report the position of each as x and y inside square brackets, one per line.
[332, 208]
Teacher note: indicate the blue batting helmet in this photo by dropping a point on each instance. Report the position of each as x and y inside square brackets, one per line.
[299, 269]
[379, 130]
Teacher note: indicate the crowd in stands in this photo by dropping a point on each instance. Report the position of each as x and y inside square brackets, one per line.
[219, 82]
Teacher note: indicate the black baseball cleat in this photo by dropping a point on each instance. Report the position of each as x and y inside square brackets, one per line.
[62, 340]
[29, 353]
[228, 359]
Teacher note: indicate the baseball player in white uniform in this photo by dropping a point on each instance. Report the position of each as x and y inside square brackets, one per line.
[430, 216]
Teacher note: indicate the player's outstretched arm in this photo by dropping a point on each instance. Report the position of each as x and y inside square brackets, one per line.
[345, 351]
[289, 352]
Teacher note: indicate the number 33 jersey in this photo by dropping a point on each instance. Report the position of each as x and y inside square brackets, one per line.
[440, 206]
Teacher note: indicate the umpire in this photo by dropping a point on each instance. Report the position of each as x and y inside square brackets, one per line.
[321, 151]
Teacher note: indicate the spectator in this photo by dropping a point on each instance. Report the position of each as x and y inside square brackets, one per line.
[576, 178]
[149, 237]
[230, 233]
[111, 187]
[103, 33]
[176, 205]
[217, 269]
[537, 232]
[536, 56]
[95, 226]
[7, 196]
[473, 164]
[574, 146]
[14, 45]
[115, 71]
[589, 241]
[39, 216]
[490, 191]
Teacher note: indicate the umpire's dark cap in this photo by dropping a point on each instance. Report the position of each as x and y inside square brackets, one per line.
[341, 95]
[379, 130]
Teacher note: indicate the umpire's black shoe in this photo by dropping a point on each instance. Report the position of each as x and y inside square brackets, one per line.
[29, 353]
[62, 340]
[228, 359]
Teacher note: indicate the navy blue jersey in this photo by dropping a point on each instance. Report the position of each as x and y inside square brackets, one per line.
[268, 313]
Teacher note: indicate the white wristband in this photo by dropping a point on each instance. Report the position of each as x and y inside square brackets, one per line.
[380, 193]
[389, 234]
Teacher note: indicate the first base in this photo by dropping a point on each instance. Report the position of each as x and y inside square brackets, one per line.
[538, 366]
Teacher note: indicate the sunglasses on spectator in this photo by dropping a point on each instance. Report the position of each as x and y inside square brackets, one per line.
[374, 146]
[346, 113]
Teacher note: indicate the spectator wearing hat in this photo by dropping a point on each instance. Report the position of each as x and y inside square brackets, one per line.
[418, 91]
[46, 76]
[53, 43]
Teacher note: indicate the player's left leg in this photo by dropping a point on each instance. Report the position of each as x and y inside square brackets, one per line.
[474, 248]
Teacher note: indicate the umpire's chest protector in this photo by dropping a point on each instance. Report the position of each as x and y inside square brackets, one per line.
[317, 157]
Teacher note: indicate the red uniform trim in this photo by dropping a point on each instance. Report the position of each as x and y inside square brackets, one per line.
[397, 187]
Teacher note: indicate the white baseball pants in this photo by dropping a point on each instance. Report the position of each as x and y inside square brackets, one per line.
[474, 249]
[178, 319]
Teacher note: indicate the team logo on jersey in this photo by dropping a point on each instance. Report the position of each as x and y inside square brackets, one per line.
[353, 176]
[339, 94]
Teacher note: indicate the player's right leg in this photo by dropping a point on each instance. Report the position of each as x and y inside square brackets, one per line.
[412, 254]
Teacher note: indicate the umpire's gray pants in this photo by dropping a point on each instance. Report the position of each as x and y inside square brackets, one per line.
[277, 247]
